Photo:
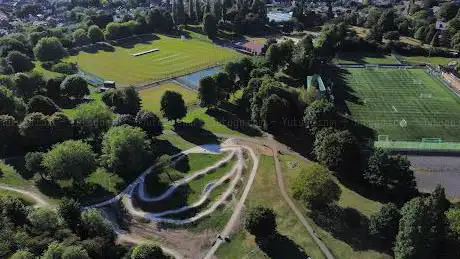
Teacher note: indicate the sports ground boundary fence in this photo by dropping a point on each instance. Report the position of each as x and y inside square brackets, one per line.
[433, 145]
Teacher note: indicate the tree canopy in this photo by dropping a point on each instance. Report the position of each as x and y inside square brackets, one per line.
[49, 48]
[173, 106]
[316, 187]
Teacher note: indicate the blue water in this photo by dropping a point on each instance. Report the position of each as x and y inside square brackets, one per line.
[192, 80]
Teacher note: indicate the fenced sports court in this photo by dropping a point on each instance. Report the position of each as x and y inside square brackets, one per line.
[407, 108]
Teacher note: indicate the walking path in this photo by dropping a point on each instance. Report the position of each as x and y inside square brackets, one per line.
[39, 199]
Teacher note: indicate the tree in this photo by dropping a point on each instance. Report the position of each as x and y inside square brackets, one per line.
[126, 150]
[261, 222]
[33, 162]
[125, 100]
[453, 217]
[19, 61]
[225, 85]
[85, 117]
[69, 210]
[207, 92]
[337, 150]
[35, 129]
[210, 25]
[147, 251]
[273, 112]
[75, 252]
[391, 35]
[447, 11]
[316, 187]
[74, 86]
[80, 37]
[95, 34]
[149, 122]
[10, 104]
[420, 33]
[124, 119]
[274, 55]
[390, 174]
[25, 85]
[53, 87]
[320, 114]
[178, 12]
[44, 220]
[173, 106]
[94, 225]
[14, 210]
[71, 159]
[10, 132]
[386, 21]
[61, 127]
[53, 251]
[22, 254]
[384, 223]
[42, 104]
[414, 231]
[49, 48]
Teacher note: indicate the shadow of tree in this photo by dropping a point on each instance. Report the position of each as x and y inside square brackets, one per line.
[93, 48]
[348, 225]
[133, 41]
[195, 133]
[19, 165]
[279, 246]
[233, 121]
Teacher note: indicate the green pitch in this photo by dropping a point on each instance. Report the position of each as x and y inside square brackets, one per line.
[406, 105]
[176, 56]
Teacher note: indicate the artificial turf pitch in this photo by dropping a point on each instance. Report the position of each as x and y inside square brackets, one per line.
[175, 57]
[405, 104]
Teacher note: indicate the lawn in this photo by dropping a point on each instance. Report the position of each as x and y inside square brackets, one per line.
[428, 60]
[405, 105]
[151, 97]
[349, 200]
[364, 58]
[175, 57]
[10, 176]
[292, 241]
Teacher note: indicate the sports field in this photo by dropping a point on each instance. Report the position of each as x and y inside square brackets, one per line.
[176, 56]
[406, 105]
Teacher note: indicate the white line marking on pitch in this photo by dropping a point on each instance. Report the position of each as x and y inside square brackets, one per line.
[394, 108]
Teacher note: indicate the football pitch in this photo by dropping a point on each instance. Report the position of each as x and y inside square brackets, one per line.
[175, 56]
[404, 104]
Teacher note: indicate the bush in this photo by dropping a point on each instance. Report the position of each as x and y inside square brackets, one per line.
[65, 68]
[391, 35]
[43, 104]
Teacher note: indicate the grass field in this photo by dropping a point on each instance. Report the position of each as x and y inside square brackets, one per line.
[364, 58]
[340, 245]
[406, 105]
[151, 97]
[175, 57]
[292, 235]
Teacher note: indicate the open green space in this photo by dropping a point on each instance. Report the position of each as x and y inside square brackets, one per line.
[340, 245]
[151, 97]
[427, 60]
[364, 58]
[404, 104]
[175, 57]
[10, 176]
[186, 194]
[292, 241]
